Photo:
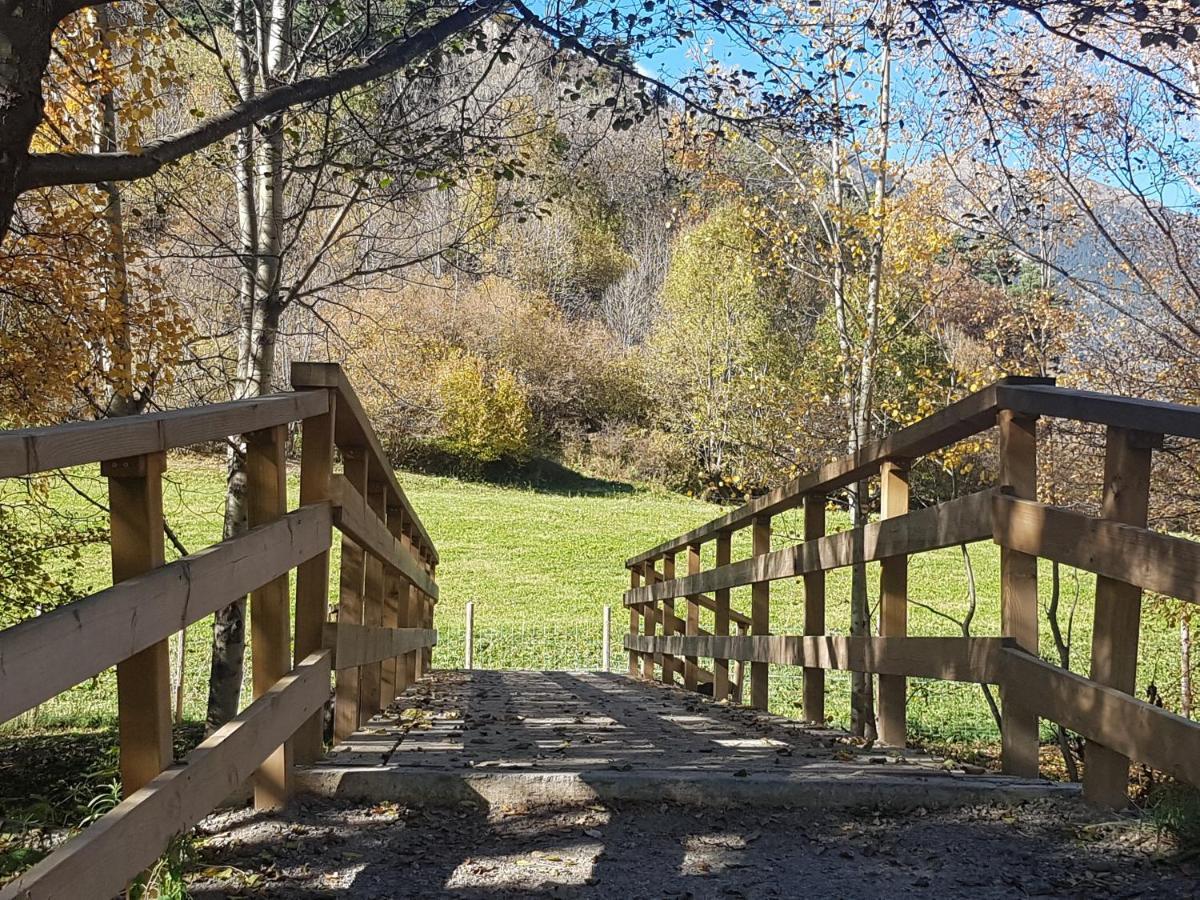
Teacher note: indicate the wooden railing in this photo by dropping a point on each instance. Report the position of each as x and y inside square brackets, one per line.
[378, 644]
[1125, 555]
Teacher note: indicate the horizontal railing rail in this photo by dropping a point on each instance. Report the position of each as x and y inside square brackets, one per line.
[1117, 546]
[28, 451]
[378, 642]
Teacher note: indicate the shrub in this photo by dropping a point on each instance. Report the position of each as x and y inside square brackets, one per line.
[483, 419]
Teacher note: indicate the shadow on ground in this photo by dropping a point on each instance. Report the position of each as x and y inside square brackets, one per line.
[342, 849]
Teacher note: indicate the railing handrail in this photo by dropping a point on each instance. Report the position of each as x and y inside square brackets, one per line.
[356, 431]
[379, 643]
[1117, 545]
[960, 420]
[28, 451]
[973, 414]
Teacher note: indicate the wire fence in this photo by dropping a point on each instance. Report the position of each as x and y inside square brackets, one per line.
[508, 645]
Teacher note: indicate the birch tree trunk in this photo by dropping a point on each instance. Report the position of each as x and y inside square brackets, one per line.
[259, 181]
[863, 707]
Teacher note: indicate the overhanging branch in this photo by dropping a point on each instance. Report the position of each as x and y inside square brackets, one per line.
[47, 169]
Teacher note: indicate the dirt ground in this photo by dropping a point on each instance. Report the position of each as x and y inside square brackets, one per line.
[330, 848]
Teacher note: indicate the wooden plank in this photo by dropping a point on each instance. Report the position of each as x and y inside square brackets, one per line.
[1153, 561]
[44, 656]
[351, 590]
[312, 577]
[144, 679]
[426, 653]
[412, 661]
[371, 678]
[395, 586]
[635, 662]
[354, 429]
[760, 613]
[710, 603]
[355, 517]
[947, 658]
[721, 617]
[1118, 614]
[1152, 416]
[893, 606]
[692, 626]
[1124, 724]
[97, 863]
[669, 620]
[270, 605]
[362, 645]
[1018, 594]
[29, 450]
[948, 524]
[649, 619]
[814, 609]
[968, 416]
[406, 663]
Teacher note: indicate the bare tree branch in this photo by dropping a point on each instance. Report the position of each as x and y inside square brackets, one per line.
[48, 169]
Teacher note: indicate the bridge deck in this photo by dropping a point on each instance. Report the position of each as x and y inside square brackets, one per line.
[517, 737]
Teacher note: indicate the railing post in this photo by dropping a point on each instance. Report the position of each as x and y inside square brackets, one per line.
[649, 615]
[814, 609]
[893, 605]
[1118, 606]
[270, 614]
[407, 664]
[721, 618]
[669, 663]
[760, 613]
[739, 684]
[427, 622]
[312, 576]
[691, 667]
[469, 651]
[606, 647]
[352, 589]
[635, 625]
[1018, 592]
[394, 596]
[371, 676]
[143, 680]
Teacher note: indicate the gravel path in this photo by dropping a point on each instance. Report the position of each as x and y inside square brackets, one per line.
[332, 848]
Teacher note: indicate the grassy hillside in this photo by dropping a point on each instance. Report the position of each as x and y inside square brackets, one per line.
[541, 564]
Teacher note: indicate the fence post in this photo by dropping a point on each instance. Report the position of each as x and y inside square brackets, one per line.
[669, 663]
[691, 667]
[814, 609]
[607, 642]
[1118, 606]
[760, 612]
[312, 576]
[470, 641]
[270, 614]
[1018, 592]
[721, 618]
[350, 604]
[893, 605]
[635, 625]
[143, 680]
[649, 616]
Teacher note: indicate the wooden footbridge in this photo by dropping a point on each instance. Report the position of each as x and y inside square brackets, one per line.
[574, 735]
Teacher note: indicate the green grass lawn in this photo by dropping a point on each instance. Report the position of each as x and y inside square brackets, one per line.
[540, 565]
